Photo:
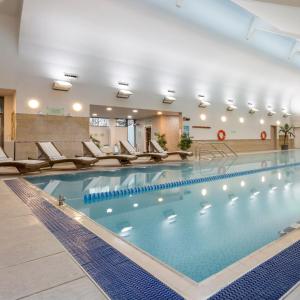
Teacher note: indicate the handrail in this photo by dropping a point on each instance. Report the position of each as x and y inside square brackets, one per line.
[227, 146]
[215, 150]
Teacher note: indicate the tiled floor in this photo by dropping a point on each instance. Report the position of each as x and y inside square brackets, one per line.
[33, 264]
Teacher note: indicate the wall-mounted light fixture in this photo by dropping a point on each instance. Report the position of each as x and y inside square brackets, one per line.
[271, 112]
[202, 102]
[169, 98]
[123, 91]
[61, 85]
[33, 103]
[77, 106]
[285, 113]
[252, 108]
[230, 105]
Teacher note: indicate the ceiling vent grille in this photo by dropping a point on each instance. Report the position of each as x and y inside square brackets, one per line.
[71, 75]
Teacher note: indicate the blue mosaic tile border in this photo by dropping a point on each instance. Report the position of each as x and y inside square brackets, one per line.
[115, 273]
[155, 187]
[269, 281]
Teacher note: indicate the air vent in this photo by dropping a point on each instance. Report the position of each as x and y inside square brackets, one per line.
[71, 75]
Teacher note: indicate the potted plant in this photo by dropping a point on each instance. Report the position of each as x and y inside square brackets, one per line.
[288, 131]
[185, 142]
[161, 139]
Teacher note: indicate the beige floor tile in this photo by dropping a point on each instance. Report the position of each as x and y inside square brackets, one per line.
[12, 207]
[35, 276]
[80, 289]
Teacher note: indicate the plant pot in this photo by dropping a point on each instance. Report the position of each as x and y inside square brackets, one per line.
[284, 147]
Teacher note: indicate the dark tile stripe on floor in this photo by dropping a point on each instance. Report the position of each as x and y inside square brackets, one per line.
[116, 274]
[269, 281]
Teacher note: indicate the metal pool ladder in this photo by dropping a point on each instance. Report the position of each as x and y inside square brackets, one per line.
[212, 150]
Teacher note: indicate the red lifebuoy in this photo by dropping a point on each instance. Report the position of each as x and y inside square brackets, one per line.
[263, 135]
[221, 135]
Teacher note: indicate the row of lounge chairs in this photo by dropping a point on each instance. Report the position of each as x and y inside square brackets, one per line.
[49, 155]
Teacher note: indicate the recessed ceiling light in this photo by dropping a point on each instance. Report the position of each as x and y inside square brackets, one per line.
[135, 111]
[108, 108]
[242, 120]
[159, 113]
[278, 122]
[94, 115]
[129, 117]
[262, 121]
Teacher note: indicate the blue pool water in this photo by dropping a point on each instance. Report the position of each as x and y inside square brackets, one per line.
[197, 229]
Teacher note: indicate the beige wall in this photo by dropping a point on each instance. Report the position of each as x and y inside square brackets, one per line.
[66, 132]
[245, 145]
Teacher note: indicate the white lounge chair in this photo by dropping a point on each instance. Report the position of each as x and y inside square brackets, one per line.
[23, 166]
[127, 148]
[155, 147]
[49, 153]
[90, 149]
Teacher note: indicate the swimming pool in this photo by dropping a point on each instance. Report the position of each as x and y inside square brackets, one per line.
[196, 229]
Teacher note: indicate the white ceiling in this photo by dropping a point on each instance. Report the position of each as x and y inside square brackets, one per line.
[284, 15]
[153, 49]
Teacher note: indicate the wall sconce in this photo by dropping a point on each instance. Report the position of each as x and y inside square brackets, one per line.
[60, 85]
[285, 113]
[231, 106]
[169, 99]
[77, 106]
[203, 103]
[252, 109]
[123, 92]
[33, 103]
[271, 112]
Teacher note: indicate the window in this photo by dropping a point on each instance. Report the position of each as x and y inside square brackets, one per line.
[99, 122]
[121, 123]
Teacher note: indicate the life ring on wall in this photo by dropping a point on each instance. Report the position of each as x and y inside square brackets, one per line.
[263, 135]
[221, 135]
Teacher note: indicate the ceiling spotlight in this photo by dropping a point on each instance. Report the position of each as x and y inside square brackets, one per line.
[129, 117]
[60, 85]
[94, 115]
[108, 108]
[135, 111]
[231, 106]
[159, 113]
[278, 123]
[203, 103]
[262, 121]
[242, 120]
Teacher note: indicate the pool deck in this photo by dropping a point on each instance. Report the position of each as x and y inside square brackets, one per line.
[28, 247]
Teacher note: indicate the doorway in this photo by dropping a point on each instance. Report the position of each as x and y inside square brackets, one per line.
[274, 139]
[1, 121]
[148, 130]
